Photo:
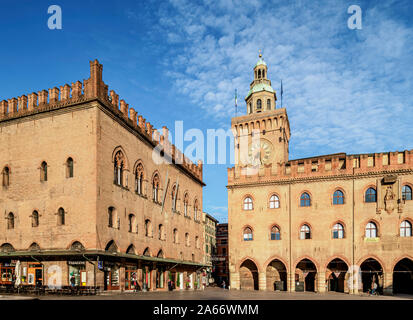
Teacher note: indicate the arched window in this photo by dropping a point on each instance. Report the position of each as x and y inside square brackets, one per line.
[268, 104]
[60, 217]
[43, 171]
[338, 231]
[69, 168]
[139, 179]
[248, 203]
[160, 254]
[147, 252]
[35, 219]
[131, 222]
[175, 233]
[161, 232]
[34, 247]
[338, 197]
[248, 234]
[259, 74]
[275, 233]
[371, 230]
[155, 187]
[405, 229]
[305, 232]
[10, 220]
[274, 202]
[371, 195]
[196, 210]
[406, 193]
[250, 108]
[6, 176]
[186, 201]
[118, 167]
[174, 197]
[111, 217]
[148, 228]
[77, 246]
[259, 104]
[305, 200]
[187, 239]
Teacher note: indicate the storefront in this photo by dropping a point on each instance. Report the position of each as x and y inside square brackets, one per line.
[111, 274]
[77, 275]
[35, 274]
[131, 278]
[7, 272]
[160, 278]
[146, 278]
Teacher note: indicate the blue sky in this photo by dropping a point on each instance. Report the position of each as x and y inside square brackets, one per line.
[344, 90]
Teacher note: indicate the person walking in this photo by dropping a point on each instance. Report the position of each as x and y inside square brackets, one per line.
[223, 284]
[374, 288]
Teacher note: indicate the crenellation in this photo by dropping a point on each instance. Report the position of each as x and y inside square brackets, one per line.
[76, 90]
[22, 103]
[43, 98]
[32, 101]
[53, 95]
[149, 129]
[124, 108]
[65, 92]
[12, 105]
[133, 116]
[3, 108]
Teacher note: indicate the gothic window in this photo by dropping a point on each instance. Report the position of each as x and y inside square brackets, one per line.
[274, 202]
[406, 193]
[186, 201]
[139, 179]
[69, 168]
[275, 233]
[6, 176]
[405, 229]
[305, 200]
[305, 232]
[131, 222]
[371, 230]
[148, 228]
[161, 231]
[187, 239]
[118, 167]
[43, 171]
[338, 197]
[268, 104]
[175, 233]
[371, 195]
[259, 104]
[338, 231]
[248, 234]
[147, 252]
[61, 217]
[248, 203]
[155, 188]
[35, 219]
[111, 217]
[10, 220]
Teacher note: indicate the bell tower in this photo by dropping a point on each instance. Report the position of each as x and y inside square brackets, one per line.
[263, 134]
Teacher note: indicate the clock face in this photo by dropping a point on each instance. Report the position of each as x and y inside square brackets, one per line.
[260, 152]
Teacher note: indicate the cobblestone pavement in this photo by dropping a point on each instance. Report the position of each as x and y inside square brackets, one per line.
[220, 294]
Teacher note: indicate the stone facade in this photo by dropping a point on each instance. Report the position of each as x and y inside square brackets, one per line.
[335, 222]
[77, 168]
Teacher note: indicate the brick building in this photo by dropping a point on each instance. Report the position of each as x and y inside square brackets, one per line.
[82, 197]
[334, 222]
[210, 243]
[220, 258]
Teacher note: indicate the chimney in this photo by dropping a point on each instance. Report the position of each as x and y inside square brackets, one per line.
[43, 97]
[76, 89]
[53, 95]
[12, 105]
[32, 101]
[3, 108]
[94, 85]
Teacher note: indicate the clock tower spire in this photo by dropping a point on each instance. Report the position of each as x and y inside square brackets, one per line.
[263, 134]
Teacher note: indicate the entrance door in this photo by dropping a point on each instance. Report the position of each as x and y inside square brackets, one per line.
[38, 277]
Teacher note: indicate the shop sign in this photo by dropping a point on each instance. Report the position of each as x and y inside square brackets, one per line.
[9, 264]
[73, 263]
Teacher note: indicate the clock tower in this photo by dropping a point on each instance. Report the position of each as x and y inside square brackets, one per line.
[263, 134]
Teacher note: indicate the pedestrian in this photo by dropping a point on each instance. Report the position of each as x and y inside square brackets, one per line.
[223, 284]
[169, 285]
[374, 288]
[72, 280]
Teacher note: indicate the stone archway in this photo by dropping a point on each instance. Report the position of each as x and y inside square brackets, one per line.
[276, 276]
[371, 271]
[305, 276]
[337, 275]
[403, 277]
[248, 274]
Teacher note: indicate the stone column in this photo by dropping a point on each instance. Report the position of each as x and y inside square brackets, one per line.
[321, 282]
[388, 283]
[291, 282]
[262, 281]
[234, 280]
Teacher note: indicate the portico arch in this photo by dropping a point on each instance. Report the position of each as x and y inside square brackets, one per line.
[248, 274]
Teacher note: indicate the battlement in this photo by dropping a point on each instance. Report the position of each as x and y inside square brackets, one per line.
[95, 89]
[333, 165]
